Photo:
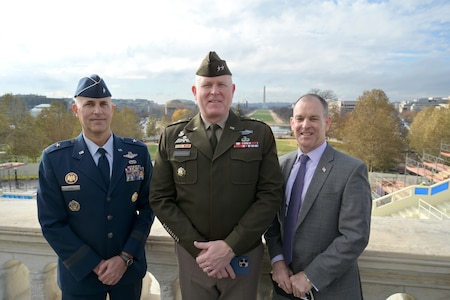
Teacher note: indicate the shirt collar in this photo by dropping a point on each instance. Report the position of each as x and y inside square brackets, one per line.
[221, 123]
[314, 155]
[93, 147]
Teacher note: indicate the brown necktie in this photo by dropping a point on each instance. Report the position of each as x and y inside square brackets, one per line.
[213, 137]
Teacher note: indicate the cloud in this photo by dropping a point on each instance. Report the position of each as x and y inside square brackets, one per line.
[151, 49]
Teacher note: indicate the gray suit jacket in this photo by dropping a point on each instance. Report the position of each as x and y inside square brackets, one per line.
[333, 226]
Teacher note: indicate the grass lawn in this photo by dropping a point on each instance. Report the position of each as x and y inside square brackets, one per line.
[285, 145]
[263, 115]
[152, 147]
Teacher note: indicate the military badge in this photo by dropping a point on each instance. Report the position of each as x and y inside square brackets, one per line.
[130, 155]
[183, 146]
[134, 173]
[134, 197]
[181, 172]
[74, 205]
[71, 178]
[182, 142]
[246, 143]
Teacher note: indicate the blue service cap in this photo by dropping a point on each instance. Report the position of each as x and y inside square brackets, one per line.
[92, 87]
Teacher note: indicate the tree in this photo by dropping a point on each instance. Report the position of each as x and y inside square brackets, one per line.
[337, 124]
[58, 122]
[17, 129]
[13, 108]
[126, 123]
[325, 94]
[181, 114]
[238, 110]
[428, 128]
[27, 139]
[151, 126]
[165, 120]
[12, 112]
[372, 131]
[5, 129]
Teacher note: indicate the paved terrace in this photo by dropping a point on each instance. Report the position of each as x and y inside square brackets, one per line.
[404, 255]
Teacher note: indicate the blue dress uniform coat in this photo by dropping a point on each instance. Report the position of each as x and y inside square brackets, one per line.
[83, 221]
[333, 226]
[232, 194]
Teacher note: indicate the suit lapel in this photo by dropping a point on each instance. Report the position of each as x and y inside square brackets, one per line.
[196, 133]
[86, 164]
[230, 134]
[119, 161]
[286, 171]
[318, 180]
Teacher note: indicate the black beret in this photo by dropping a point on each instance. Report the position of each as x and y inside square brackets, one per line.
[212, 66]
[92, 87]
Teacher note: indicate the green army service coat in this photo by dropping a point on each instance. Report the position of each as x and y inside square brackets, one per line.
[232, 194]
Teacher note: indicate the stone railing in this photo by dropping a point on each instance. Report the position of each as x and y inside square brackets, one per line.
[403, 256]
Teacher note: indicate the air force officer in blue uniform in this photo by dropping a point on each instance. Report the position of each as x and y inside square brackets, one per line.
[97, 225]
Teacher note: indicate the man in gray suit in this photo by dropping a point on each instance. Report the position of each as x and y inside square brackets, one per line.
[332, 226]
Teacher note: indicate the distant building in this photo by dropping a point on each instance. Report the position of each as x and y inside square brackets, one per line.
[420, 103]
[35, 111]
[343, 107]
[173, 105]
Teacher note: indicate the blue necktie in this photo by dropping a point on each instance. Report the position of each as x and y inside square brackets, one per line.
[290, 221]
[103, 165]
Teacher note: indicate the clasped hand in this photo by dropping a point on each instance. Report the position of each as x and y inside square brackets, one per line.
[110, 271]
[291, 283]
[214, 259]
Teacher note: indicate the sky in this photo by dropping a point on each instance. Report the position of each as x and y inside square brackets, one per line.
[146, 49]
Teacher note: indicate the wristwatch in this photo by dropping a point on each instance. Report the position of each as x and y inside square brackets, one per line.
[128, 260]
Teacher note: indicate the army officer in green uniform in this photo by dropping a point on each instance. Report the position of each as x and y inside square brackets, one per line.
[216, 188]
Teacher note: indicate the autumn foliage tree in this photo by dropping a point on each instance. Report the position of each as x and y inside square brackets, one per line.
[18, 132]
[429, 127]
[58, 122]
[372, 131]
[182, 113]
[126, 123]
